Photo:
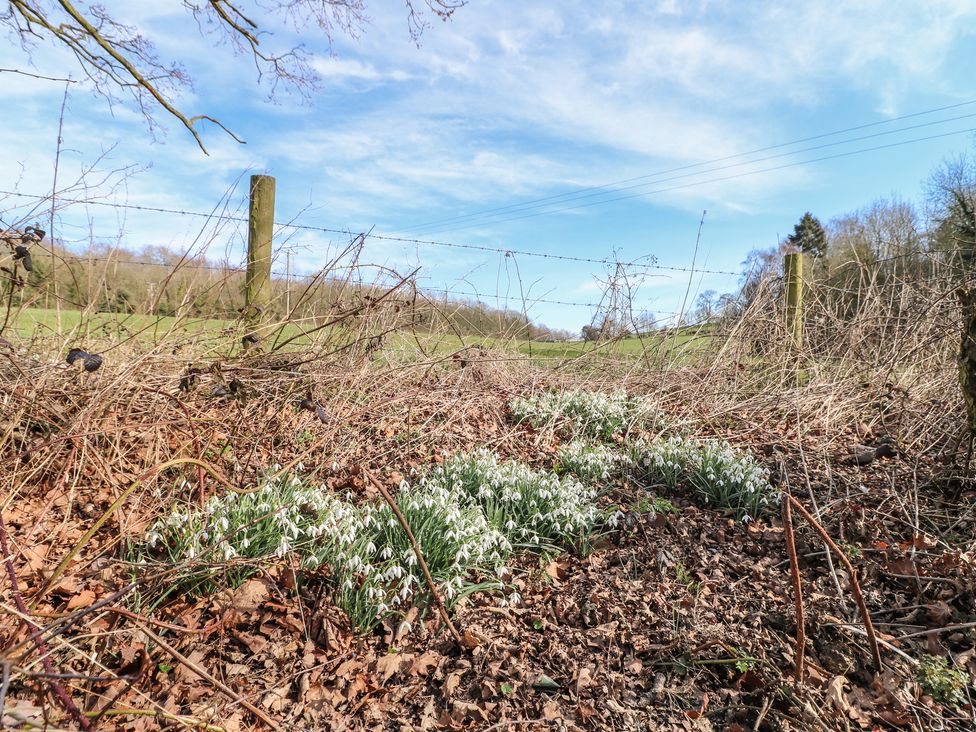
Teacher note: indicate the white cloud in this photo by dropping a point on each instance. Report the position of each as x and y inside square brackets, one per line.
[336, 68]
[513, 101]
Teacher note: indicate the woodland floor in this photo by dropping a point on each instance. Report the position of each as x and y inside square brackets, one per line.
[681, 621]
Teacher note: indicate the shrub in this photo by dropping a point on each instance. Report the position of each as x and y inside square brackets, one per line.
[530, 508]
[585, 413]
[589, 463]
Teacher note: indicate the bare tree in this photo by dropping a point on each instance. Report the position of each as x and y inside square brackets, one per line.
[121, 63]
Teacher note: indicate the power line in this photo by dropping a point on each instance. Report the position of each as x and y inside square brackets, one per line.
[514, 252]
[486, 221]
[613, 184]
[726, 178]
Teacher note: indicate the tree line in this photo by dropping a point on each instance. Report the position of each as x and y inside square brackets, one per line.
[156, 280]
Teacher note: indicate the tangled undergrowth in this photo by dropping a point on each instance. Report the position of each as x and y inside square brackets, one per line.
[468, 515]
[678, 616]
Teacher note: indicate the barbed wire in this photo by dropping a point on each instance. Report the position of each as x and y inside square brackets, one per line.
[240, 270]
[504, 251]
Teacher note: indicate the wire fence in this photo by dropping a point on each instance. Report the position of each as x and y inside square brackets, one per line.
[523, 301]
[517, 302]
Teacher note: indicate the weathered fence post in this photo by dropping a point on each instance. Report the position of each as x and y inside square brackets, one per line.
[260, 226]
[793, 266]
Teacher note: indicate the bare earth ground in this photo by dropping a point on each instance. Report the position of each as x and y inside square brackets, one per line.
[680, 621]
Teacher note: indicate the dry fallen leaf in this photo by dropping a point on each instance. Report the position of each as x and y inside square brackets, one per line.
[83, 599]
[424, 663]
[390, 664]
[249, 596]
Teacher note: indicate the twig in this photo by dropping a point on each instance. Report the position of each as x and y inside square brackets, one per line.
[799, 653]
[762, 714]
[162, 623]
[855, 585]
[54, 192]
[431, 585]
[37, 76]
[39, 643]
[182, 719]
[891, 647]
[521, 722]
[944, 629]
[204, 674]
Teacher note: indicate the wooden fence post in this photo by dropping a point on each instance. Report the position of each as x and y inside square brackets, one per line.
[260, 227]
[793, 266]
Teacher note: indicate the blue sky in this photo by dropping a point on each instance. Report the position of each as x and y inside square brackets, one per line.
[511, 102]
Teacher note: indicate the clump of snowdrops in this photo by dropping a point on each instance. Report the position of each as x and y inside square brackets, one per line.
[724, 477]
[467, 515]
[586, 413]
[591, 463]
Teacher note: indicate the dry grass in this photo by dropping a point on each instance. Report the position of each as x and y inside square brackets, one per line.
[72, 443]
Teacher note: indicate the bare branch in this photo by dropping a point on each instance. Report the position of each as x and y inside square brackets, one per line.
[119, 62]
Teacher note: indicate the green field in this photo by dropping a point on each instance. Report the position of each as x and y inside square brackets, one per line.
[80, 326]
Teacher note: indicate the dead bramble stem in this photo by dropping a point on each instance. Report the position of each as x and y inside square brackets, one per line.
[431, 585]
[42, 648]
[855, 584]
[800, 652]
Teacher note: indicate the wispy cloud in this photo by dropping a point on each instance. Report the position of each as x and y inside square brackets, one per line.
[514, 101]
